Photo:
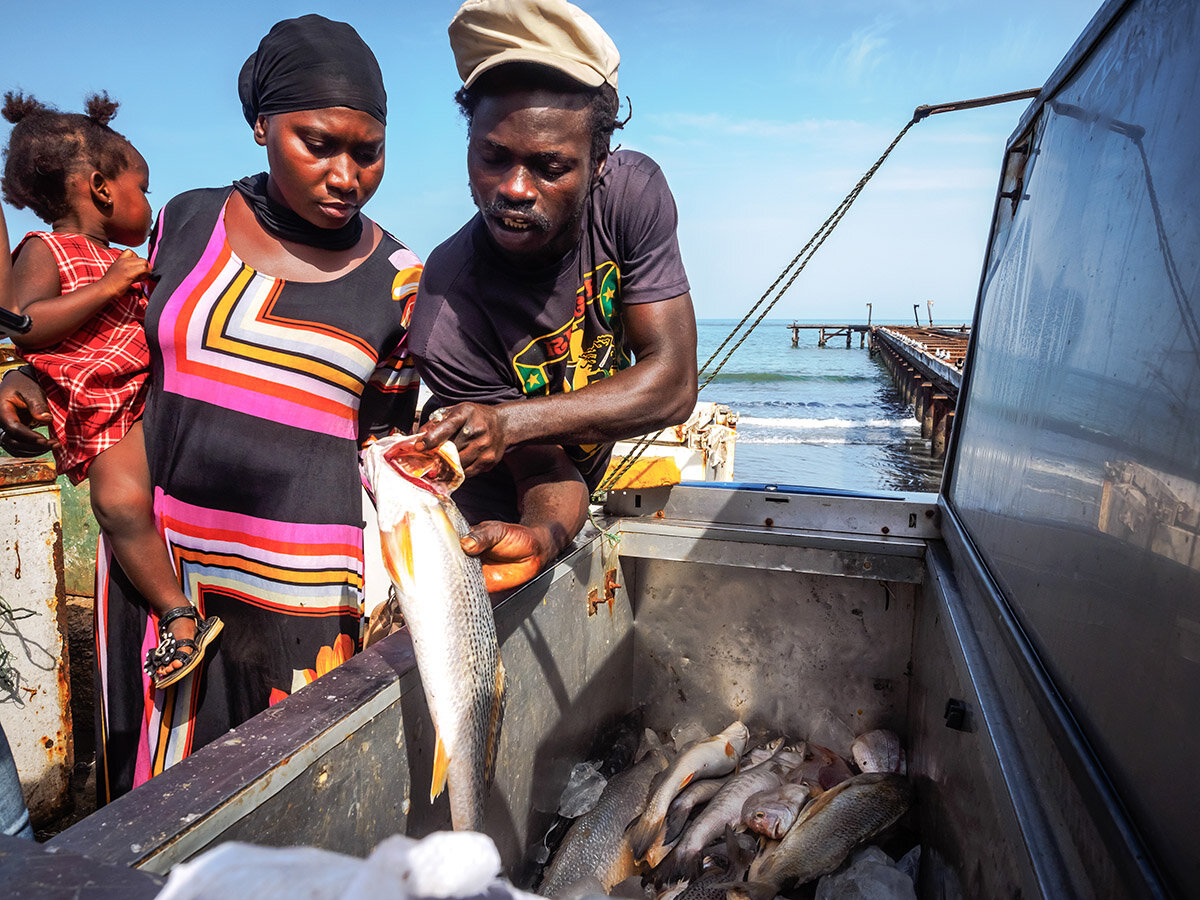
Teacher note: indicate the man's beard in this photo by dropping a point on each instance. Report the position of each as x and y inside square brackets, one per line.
[537, 221]
[498, 208]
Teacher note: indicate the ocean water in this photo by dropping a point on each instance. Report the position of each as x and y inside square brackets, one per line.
[817, 416]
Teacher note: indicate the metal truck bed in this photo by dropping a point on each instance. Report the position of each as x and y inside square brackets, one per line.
[807, 613]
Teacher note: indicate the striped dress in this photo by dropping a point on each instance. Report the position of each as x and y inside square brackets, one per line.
[261, 391]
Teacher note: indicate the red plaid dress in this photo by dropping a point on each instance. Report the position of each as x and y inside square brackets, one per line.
[95, 379]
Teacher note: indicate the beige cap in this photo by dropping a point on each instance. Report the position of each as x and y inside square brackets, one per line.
[488, 33]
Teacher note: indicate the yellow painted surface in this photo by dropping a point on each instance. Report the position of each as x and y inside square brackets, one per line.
[648, 471]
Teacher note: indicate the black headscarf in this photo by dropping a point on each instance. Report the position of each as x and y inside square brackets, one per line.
[311, 63]
[307, 63]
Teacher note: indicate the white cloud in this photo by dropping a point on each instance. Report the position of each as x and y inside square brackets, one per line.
[862, 53]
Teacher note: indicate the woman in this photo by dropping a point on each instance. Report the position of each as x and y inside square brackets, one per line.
[275, 332]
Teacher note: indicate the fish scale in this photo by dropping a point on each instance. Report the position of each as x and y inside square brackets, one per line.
[825, 833]
[596, 844]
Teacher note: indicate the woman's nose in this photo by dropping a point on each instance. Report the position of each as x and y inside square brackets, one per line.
[343, 173]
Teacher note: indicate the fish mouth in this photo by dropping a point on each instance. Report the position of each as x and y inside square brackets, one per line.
[436, 469]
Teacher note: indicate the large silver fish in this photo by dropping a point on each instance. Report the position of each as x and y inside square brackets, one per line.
[718, 755]
[445, 603]
[596, 845]
[829, 828]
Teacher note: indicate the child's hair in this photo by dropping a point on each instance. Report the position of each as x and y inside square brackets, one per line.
[46, 146]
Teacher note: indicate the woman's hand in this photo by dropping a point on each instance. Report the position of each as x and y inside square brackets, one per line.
[478, 432]
[511, 554]
[23, 408]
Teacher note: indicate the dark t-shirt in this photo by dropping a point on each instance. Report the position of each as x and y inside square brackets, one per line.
[486, 331]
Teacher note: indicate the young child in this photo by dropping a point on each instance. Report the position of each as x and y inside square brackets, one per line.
[87, 345]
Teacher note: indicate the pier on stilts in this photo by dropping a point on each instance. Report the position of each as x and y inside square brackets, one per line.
[831, 331]
[927, 365]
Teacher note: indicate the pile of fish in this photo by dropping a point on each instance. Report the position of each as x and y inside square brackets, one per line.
[726, 821]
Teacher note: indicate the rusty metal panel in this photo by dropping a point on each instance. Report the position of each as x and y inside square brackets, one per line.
[35, 696]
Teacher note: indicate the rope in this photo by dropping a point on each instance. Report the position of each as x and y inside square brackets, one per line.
[803, 257]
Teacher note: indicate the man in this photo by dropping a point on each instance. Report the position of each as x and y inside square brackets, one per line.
[559, 318]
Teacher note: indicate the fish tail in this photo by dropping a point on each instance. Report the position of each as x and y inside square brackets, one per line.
[676, 819]
[441, 768]
[495, 719]
[643, 835]
[677, 867]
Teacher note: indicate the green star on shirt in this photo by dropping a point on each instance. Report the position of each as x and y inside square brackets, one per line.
[534, 381]
[608, 290]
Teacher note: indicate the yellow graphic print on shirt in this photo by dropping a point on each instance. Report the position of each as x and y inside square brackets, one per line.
[585, 349]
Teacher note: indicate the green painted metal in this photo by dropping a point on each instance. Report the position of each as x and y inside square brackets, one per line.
[80, 534]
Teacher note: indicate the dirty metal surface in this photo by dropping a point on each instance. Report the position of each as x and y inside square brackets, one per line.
[786, 551]
[35, 697]
[1077, 837]
[966, 821]
[814, 656]
[28, 871]
[195, 803]
[884, 515]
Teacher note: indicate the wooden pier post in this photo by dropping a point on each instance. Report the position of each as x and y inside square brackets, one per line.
[941, 434]
[924, 401]
[935, 416]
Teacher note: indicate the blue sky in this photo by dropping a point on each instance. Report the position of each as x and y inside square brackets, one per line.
[763, 115]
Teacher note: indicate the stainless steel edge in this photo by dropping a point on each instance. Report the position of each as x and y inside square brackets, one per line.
[890, 561]
[1125, 844]
[892, 515]
[1039, 839]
